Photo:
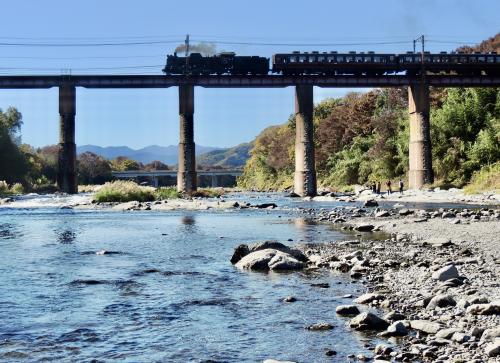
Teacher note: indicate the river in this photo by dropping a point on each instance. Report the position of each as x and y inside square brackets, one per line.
[165, 291]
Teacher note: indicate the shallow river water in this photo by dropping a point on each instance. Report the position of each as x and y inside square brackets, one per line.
[166, 292]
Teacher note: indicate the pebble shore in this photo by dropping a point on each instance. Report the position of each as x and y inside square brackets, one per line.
[432, 287]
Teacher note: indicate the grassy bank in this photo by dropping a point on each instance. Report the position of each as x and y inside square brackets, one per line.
[485, 180]
[126, 191]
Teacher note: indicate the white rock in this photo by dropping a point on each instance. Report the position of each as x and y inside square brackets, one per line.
[446, 273]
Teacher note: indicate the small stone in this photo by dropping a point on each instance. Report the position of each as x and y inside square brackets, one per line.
[368, 321]
[397, 329]
[446, 273]
[441, 301]
[484, 309]
[460, 337]
[493, 349]
[364, 227]
[319, 327]
[368, 298]
[370, 203]
[330, 353]
[446, 333]
[425, 326]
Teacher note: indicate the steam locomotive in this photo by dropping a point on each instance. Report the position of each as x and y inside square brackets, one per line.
[333, 63]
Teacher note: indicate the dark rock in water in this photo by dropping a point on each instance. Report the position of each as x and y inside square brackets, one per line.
[364, 227]
[405, 212]
[239, 252]
[320, 326]
[368, 321]
[330, 353]
[347, 310]
[294, 195]
[370, 203]
[290, 299]
[265, 205]
[323, 285]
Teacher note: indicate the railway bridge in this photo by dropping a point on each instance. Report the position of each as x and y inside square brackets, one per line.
[420, 155]
[214, 174]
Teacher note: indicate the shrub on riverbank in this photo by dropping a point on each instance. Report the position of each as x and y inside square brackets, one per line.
[16, 188]
[486, 179]
[208, 193]
[124, 191]
[167, 193]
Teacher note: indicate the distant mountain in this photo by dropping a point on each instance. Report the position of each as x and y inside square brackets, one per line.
[165, 154]
[234, 157]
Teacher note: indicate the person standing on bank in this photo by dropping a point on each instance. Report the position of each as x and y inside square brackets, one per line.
[401, 186]
[378, 187]
[388, 184]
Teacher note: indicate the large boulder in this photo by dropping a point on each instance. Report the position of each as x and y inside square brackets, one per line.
[278, 246]
[269, 259]
[370, 203]
[258, 260]
[368, 321]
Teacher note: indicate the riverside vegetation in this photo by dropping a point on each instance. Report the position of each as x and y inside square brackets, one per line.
[363, 137]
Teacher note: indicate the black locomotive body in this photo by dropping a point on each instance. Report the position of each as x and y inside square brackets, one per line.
[333, 63]
[223, 63]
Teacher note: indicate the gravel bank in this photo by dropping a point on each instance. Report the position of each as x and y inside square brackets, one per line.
[436, 279]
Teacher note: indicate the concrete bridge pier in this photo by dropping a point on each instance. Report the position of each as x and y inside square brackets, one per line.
[305, 171]
[420, 151]
[66, 176]
[186, 172]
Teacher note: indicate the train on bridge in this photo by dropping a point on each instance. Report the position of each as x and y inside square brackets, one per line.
[334, 63]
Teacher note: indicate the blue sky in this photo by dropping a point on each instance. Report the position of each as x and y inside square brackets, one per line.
[223, 117]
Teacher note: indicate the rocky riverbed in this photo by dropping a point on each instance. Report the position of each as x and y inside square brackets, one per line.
[432, 287]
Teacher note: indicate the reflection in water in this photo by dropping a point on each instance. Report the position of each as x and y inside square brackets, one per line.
[306, 229]
[66, 236]
[188, 220]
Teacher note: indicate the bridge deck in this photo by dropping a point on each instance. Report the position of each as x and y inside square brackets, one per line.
[226, 81]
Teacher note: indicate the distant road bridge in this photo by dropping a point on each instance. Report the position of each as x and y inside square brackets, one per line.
[420, 156]
[130, 174]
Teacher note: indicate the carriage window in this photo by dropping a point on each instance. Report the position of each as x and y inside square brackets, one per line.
[409, 59]
[359, 59]
[368, 59]
[293, 59]
[302, 59]
[491, 59]
[340, 58]
[311, 59]
[454, 59]
[349, 59]
[480, 59]
[472, 59]
[463, 59]
[435, 59]
[498, 59]
[427, 59]
[376, 59]
[321, 58]
[330, 58]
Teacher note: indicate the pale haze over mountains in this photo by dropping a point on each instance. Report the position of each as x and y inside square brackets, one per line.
[206, 155]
